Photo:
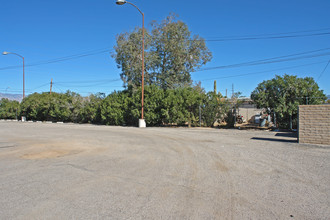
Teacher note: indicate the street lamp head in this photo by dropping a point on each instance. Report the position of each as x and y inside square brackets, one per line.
[120, 2]
[5, 53]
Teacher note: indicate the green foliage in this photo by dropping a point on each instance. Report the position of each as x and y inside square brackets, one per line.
[230, 119]
[128, 57]
[171, 55]
[284, 94]
[176, 106]
[214, 109]
[52, 107]
[114, 108]
[153, 105]
[181, 105]
[8, 109]
[90, 111]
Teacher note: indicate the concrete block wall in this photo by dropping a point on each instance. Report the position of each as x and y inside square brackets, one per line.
[314, 124]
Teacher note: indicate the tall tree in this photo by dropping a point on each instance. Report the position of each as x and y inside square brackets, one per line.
[283, 95]
[172, 53]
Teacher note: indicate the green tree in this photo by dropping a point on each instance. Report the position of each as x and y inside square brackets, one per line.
[181, 105]
[214, 108]
[8, 109]
[172, 53]
[90, 111]
[114, 108]
[52, 107]
[153, 105]
[283, 95]
[36, 106]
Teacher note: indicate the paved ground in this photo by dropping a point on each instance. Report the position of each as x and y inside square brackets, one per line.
[63, 171]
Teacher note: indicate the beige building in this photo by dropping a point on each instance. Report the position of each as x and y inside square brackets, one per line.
[248, 110]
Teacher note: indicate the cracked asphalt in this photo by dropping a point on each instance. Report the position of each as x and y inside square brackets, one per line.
[68, 171]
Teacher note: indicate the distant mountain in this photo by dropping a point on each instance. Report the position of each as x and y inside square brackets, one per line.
[16, 97]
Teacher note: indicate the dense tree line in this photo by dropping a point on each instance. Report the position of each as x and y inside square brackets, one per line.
[180, 106]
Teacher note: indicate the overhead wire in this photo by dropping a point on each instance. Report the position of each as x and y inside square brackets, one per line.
[291, 32]
[265, 71]
[232, 38]
[290, 57]
[61, 59]
[89, 81]
[91, 85]
[265, 37]
[323, 70]
[270, 60]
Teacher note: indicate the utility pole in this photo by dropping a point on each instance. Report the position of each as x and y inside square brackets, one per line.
[215, 87]
[232, 90]
[51, 86]
[226, 94]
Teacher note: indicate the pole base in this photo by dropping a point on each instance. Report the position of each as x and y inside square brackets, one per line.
[142, 123]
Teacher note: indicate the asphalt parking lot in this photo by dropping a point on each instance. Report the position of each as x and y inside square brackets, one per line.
[67, 171]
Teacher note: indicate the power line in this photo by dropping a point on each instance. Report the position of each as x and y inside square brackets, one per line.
[10, 91]
[46, 84]
[237, 38]
[292, 32]
[271, 60]
[91, 85]
[323, 70]
[61, 59]
[89, 81]
[266, 71]
[267, 38]
[262, 36]
[232, 38]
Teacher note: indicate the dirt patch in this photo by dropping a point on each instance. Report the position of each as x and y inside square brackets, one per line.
[58, 149]
[46, 154]
[221, 167]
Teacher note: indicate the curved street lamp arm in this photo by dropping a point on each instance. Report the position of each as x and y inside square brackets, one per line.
[15, 54]
[6, 53]
[135, 7]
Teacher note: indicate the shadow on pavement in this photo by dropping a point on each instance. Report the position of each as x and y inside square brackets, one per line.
[274, 139]
[287, 134]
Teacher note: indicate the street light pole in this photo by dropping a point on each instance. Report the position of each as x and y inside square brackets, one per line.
[142, 122]
[6, 53]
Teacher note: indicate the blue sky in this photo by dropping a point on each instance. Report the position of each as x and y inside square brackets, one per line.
[49, 30]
